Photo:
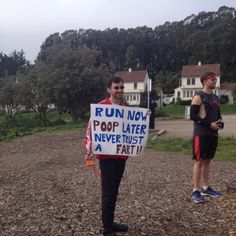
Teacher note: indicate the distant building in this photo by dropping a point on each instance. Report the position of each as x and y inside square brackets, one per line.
[168, 99]
[190, 80]
[135, 83]
[226, 89]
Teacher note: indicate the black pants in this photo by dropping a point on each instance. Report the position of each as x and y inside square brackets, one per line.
[111, 173]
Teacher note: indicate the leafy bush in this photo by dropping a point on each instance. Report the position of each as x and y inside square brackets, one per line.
[224, 99]
[2, 112]
[56, 122]
[184, 102]
[160, 113]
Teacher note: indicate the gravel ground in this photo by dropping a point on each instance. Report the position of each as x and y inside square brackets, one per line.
[45, 189]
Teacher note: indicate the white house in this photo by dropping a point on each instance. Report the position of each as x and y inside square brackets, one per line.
[135, 83]
[190, 80]
[226, 89]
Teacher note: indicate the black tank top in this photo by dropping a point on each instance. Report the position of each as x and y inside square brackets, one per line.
[211, 103]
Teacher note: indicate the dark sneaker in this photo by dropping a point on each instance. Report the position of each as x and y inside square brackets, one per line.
[210, 192]
[119, 227]
[197, 197]
[109, 233]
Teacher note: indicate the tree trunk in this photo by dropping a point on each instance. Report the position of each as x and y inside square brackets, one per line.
[75, 118]
[42, 114]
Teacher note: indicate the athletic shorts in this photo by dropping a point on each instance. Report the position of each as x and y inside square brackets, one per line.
[204, 147]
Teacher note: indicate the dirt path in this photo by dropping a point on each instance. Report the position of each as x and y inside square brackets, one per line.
[45, 189]
[184, 128]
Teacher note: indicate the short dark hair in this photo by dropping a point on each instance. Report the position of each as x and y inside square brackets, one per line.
[115, 80]
[206, 74]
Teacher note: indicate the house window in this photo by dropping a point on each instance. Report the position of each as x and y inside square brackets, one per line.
[184, 94]
[188, 81]
[191, 93]
[187, 94]
[127, 98]
[134, 97]
[135, 86]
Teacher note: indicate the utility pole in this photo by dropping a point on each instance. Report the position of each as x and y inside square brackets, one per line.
[148, 92]
[151, 104]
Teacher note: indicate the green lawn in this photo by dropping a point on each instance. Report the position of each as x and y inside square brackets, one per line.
[228, 109]
[174, 110]
[29, 123]
[226, 149]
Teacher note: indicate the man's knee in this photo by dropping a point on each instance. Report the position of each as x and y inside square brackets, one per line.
[206, 161]
[198, 164]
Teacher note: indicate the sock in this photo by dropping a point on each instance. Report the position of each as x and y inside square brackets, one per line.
[205, 187]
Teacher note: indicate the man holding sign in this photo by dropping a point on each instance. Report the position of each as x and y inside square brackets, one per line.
[118, 130]
[114, 133]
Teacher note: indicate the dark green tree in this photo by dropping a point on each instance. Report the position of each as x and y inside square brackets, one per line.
[34, 91]
[76, 77]
[8, 96]
[13, 63]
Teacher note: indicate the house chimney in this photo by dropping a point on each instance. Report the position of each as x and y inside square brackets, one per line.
[130, 70]
[199, 63]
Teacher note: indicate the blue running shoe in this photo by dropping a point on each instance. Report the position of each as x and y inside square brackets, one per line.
[197, 197]
[210, 192]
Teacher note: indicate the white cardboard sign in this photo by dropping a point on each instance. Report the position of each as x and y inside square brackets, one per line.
[118, 130]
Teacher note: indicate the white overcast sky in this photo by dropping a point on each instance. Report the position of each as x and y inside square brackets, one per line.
[25, 24]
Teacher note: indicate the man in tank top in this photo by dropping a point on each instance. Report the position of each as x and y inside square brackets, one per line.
[205, 113]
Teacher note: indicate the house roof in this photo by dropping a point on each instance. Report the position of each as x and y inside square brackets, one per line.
[227, 86]
[198, 70]
[132, 76]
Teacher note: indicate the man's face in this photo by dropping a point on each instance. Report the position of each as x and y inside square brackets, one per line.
[116, 90]
[211, 82]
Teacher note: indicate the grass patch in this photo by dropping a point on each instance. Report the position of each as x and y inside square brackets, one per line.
[226, 150]
[66, 127]
[2, 120]
[172, 110]
[171, 145]
[29, 123]
[175, 110]
[228, 109]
